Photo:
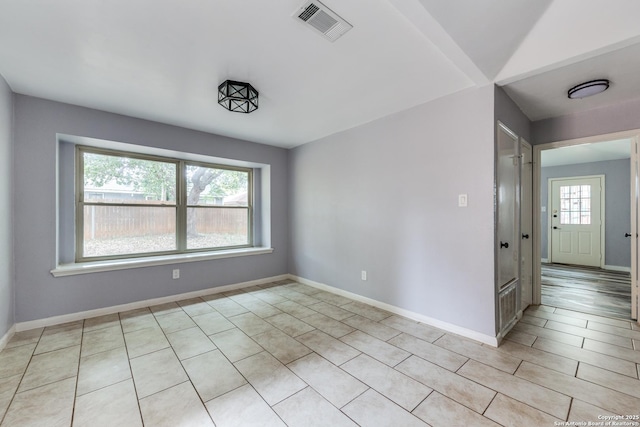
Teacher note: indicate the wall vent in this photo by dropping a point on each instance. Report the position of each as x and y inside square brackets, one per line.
[508, 306]
[322, 19]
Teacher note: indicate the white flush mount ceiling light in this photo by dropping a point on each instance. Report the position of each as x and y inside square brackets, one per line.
[590, 88]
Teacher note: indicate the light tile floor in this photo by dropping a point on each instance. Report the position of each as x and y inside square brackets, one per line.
[288, 354]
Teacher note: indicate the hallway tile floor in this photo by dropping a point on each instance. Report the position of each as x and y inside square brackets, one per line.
[285, 354]
[587, 289]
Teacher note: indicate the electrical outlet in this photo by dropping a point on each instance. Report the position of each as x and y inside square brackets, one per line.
[363, 274]
[176, 273]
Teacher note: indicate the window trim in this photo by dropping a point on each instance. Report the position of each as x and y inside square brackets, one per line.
[73, 269]
[180, 206]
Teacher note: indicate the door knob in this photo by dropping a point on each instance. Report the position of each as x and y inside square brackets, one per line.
[525, 236]
[627, 234]
[504, 245]
[556, 228]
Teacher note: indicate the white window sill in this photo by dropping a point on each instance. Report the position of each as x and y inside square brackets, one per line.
[123, 264]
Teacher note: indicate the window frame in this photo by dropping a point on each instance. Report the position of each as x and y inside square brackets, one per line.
[180, 204]
[580, 211]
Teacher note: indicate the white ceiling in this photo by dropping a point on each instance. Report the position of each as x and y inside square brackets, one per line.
[162, 60]
[586, 153]
[545, 95]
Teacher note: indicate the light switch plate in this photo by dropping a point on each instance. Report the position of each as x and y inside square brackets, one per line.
[462, 200]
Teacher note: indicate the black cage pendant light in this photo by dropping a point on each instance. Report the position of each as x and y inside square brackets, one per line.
[238, 96]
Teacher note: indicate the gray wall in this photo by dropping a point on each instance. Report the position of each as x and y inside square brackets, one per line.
[38, 293]
[613, 118]
[617, 205]
[382, 197]
[510, 114]
[7, 289]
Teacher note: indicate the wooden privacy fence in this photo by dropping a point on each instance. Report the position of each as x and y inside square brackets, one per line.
[109, 222]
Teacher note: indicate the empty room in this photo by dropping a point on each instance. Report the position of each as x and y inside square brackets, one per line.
[319, 213]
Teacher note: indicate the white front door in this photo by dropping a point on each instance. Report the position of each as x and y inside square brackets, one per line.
[576, 220]
[526, 225]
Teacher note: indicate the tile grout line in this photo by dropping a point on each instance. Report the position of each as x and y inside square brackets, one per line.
[6, 412]
[489, 405]
[247, 382]
[133, 381]
[75, 389]
[189, 380]
[422, 401]
[512, 397]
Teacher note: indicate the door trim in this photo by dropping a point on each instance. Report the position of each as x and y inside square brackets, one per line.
[602, 213]
[526, 186]
[633, 134]
[635, 201]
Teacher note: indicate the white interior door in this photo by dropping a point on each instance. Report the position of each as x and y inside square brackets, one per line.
[507, 227]
[526, 225]
[508, 215]
[576, 220]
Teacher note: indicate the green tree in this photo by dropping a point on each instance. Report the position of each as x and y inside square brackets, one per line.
[215, 183]
[155, 179]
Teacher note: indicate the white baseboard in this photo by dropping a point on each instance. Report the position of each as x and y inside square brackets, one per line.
[56, 320]
[468, 333]
[544, 260]
[617, 268]
[5, 339]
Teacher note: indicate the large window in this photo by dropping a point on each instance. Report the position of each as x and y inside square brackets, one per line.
[130, 205]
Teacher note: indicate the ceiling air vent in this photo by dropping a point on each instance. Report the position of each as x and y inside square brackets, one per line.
[322, 19]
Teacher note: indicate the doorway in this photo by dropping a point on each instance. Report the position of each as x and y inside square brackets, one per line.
[573, 253]
[577, 220]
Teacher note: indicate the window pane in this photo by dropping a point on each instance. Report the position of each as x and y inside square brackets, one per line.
[115, 179]
[575, 191]
[217, 227]
[216, 187]
[575, 217]
[575, 204]
[120, 230]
